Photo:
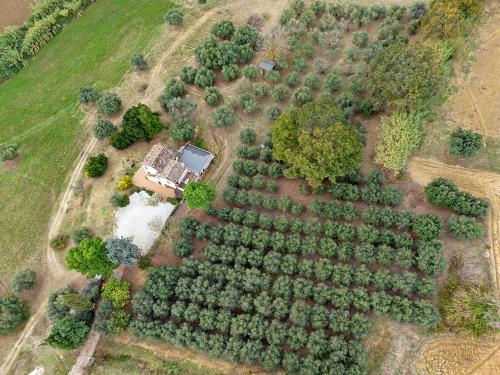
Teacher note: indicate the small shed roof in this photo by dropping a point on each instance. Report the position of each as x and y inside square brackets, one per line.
[195, 158]
[267, 65]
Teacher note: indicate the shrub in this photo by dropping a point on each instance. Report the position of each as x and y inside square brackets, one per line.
[188, 74]
[80, 234]
[88, 95]
[104, 128]
[125, 182]
[117, 291]
[184, 130]
[430, 257]
[360, 39]
[464, 142]
[8, 151]
[139, 62]
[69, 333]
[444, 193]
[301, 96]
[199, 194]
[223, 117]
[400, 135]
[174, 17]
[223, 29]
[248, 136]
[108, 103]
[299, 64]
[122, 251]
[58, 242]
[204, 77]
[23, 280]
[96, 165]
[413, 27]
[418, 9]
[273, 75]
[173, 89]
[292, 79]
[248, 103]
[332, 83]
[273, 112]
[183, 248]
[312, 81]
[230, 72]
[251, 72]
[465, 228]
[261, 89]
[120, 200]
[212, 96]
[428, 226]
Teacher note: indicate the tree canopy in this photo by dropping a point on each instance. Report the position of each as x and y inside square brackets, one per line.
[199, 194]
[316, 144]
[68, 333]
[13, 313]
[90, 258]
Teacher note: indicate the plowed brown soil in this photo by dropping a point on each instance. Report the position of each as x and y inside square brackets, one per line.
[14, 12]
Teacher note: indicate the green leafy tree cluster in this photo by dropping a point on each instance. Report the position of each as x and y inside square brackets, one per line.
[464, 142]
[315, 144]
[90, 258]
[13, 313]
[96, 165]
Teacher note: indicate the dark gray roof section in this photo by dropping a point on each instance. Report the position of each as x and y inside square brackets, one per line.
[267, 65]
[195, 158]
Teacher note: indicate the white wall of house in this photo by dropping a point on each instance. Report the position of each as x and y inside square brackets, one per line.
[150, 170]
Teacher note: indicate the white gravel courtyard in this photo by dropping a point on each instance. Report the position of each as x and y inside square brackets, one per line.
[142, 221]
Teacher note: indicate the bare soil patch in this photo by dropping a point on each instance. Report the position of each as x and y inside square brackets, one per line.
[14, 12]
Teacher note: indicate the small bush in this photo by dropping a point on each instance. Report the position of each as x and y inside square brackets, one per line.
[301, 96]
[292, 79]
[204, 77]
[312, 81]
[223, 29]
[360, 39]
[261, 89]
[96, 165]
[273, 112]
[125, 182]
[248, 103]
[299, 64]
[413, 27]
[108, 103]
[428, 226]
[280, 92]
[8, 152]
[250, 72]
[139, 62]
[465, 228]
[174, 17]
[223, 117]
[248, 136]
[273, 76]
[58, 242]
[183, 248]
[120, 200]
[88, 95]
[104, 128]
[464, 142]
[184, 130]
[212, 96]
[188, 74]
[23, 280]
[80, 234]
[230, 72]
[333, 83]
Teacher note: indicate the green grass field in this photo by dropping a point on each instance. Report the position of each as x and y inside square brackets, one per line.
[39, 111]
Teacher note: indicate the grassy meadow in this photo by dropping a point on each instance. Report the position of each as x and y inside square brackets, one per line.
[39, 111]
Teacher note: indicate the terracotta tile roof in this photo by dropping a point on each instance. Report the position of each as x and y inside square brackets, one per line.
[159, 156]
[173, 171]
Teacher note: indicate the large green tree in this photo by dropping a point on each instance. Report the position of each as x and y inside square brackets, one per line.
[68, 333]
[316, 144]
[90, 258]
[13, 313]
[199, 194]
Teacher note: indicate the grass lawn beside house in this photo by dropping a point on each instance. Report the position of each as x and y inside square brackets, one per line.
[39, 111]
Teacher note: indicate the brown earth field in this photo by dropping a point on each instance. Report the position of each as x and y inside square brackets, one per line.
[14, 12]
